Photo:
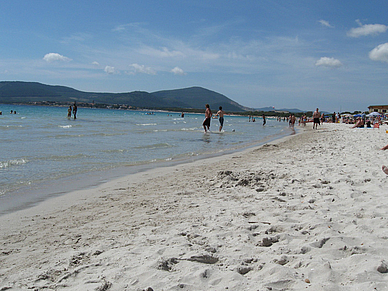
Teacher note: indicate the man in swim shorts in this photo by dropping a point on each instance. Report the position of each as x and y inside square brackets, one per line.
[221, 113]
[208, 116]
[316, 116]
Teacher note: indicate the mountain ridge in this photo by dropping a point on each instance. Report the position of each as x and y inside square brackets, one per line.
[185, 98]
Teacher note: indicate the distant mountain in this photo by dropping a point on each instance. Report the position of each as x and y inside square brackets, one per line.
[292, 110]
[197, 97]
[188, 98]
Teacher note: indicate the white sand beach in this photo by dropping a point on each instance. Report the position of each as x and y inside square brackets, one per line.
[308, 212]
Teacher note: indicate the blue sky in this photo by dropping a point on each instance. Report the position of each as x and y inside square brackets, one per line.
[288, 54]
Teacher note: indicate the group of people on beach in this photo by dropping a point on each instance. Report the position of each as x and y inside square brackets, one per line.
[319, 118]
[70, 110]
[208, 115]
[359, 123]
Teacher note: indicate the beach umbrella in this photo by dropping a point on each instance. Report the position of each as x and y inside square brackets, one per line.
[374, 114]
[359, 115]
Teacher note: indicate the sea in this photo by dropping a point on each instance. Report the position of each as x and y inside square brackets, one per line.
[43, 153]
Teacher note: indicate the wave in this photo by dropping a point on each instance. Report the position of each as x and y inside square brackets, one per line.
[17, 162]
[146, 124]
[108, 133]
[62, 157]
[170, 130]
[7, 127]
[189, 129]
[155, 146]
[115, 151]
[67, 135]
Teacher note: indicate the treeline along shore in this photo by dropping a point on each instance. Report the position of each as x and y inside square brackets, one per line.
[129, 107]
[172, 109]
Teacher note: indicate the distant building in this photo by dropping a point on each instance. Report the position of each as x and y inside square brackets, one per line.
[383, 109]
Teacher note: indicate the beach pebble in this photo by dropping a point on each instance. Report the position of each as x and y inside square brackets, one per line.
[383, 268]
[243, 270]
[243, 182]
[97, 252]
[273, 229]
[167, 264]
[224, 173]
[307, 281]
[211, 250]
[305, 249]
[269, 241]
[319, 244]
[249, 214]
[205, 259]
[283, 260]
[104, 286]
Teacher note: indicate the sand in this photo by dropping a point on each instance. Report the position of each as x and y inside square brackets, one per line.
[308, 212]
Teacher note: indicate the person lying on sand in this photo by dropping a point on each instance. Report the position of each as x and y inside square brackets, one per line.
[359, 123]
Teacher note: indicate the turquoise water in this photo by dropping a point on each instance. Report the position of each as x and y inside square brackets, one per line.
[40, 146]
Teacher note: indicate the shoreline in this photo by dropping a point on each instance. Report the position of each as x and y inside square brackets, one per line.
[304, 212]
[40, 192]
[141, 175]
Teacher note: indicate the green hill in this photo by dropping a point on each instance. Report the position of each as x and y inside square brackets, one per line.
[188, 98]
[197, 97]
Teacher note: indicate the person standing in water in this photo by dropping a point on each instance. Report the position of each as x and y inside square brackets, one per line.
[69, 112]
[75, 111]
[264, 121]
[208, 116]
[220, 115]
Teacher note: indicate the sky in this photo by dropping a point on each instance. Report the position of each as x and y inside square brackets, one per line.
[300, 54]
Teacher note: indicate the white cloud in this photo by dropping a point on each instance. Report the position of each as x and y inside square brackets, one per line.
[110, 70]
[95, 63]
[178, 71]
[328, 62]
[325, 23]
[123, 27]
[367, 29]
[161, 53]
[379, 53]
[119, 28]
[76, 38]
[143, 69]
[52, 57]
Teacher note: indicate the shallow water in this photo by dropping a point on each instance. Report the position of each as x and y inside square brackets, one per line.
[40, 145]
